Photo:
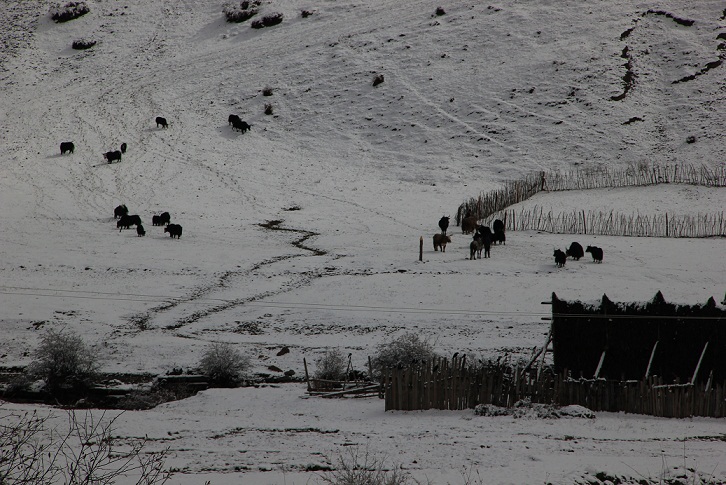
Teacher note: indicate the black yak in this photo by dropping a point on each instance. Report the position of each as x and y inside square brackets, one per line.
[164, 218]
[240, 125]
[127, 221]
[596, 253]
[67, 146]
[155, 220]
[234, 118]
[475, 247]
[161, 122]
[468, 224]
[444, 224]
[575, 251]
[440, 241]
[499, 237]
[111, 156]
[483, 231]
[486, 240]
[123, 148]
[140, 231]
[174, 230]
[498, 226]
[560, 258]
[120, 211]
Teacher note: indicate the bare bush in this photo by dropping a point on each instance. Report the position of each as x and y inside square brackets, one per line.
[268, 109]
[82, 453]
[364, 468]
[405, 351]
[378, 79]
[267, 91]
[82, 44]
[440, 11]
[69, 11]
[224, 365]
[306, 13]
[331, 366]
[239, 12]
[267, 21]
[64, 362]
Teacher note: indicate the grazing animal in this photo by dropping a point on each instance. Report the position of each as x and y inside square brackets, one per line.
[161, 122]
[483, 231]
[596, 253]
[499, 237]
[127, 221]
[440, 241]
[156, 220]
[164, 218]
[475, 247]
[498, 226]
[560, 258]
[67, 146]
[120, 211]
[468, 224]
[123, 148]
[444, 224]
[233, 118]
[140, 231]
[575, 251]
[174, 230]
[240, 125]
[486, 240]
[111, 156]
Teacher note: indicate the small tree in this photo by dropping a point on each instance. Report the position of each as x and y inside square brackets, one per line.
[64, 362]
[406, 350]
[224, 365]
[331, 366]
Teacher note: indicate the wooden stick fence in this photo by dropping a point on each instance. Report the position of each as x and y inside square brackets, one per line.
[612, 223]
[454, 386]
[517, 191]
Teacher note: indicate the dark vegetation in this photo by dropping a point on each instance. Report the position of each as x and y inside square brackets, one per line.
[69, 11]
[378, 79]
[82, 44]
[242, 11]
[267, 21]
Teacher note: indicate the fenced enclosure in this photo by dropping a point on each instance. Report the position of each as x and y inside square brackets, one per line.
[493, 205]
[454, 385]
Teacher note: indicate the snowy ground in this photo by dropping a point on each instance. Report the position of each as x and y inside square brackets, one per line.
[358, 173]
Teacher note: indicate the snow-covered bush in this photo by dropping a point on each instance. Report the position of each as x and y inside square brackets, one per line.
[364, 468]
[331, 366]
[405, 351]
[224, 365]
[64, 362]
[81, 44]
[69, 11]
[239, 12]
[267, 21]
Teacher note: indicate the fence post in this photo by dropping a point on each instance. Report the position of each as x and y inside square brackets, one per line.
[420, 249]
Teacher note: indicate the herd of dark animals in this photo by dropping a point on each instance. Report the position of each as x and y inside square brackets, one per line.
[484, 237]
[125, 221]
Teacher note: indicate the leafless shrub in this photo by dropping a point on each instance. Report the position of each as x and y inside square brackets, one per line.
[224, 365]
[363, 468]
[267, 21]
[82, 44]
[440, 11]
[267, 91]
[331, 366]
[306, 13]
[64, 362]
[268, 109]
[69, 11]
[405, 351]
[84, 452]
[378, 79]
[239, 12]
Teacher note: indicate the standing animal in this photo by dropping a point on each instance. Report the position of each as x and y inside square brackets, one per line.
[475, 247]
[155, 220]
[444, 224]
[575, 251]
[483, 231]
[120, 211]
[127, 221]
[111, 156]
[174, 230]
[486, 240]
[67, 146]
[240, 125]
[440, 241]
[498, 225]
[164, 218]
[560, 258]
[233, 118]
[596, 253]
[499, 237]
[161, 122]
[140, 231]
[468, 224]
[123, 148]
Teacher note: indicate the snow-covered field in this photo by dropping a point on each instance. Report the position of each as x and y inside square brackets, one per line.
[356, 174]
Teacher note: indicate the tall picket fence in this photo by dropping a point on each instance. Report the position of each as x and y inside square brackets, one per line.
[494, 205]
[455, 386]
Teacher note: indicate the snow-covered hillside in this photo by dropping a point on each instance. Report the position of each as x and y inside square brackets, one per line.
[356, 174]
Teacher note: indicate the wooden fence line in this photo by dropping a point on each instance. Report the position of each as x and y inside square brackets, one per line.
[516, 191]
[455, 386]
[612, 223]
